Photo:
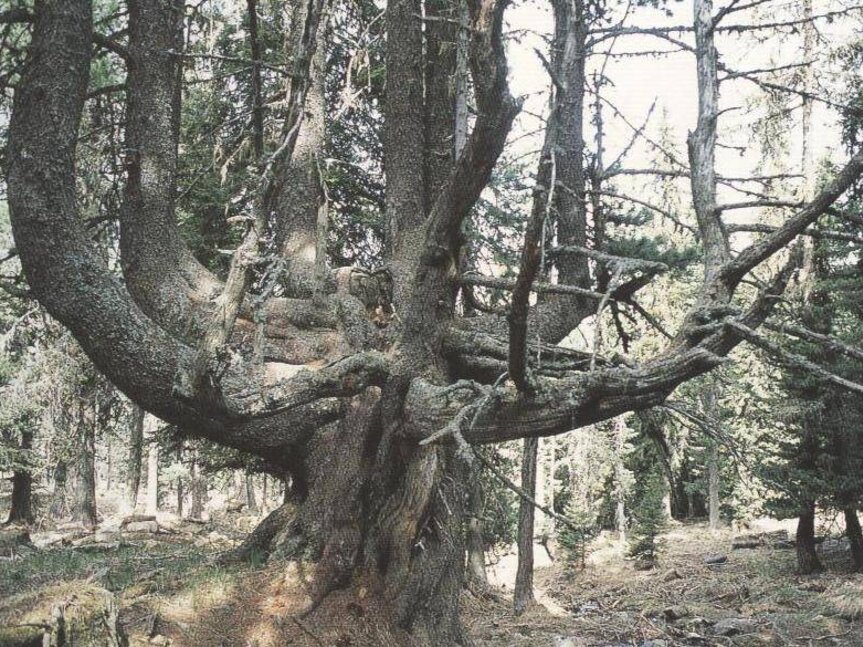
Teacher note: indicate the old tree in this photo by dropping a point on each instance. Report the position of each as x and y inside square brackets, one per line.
[369, 388]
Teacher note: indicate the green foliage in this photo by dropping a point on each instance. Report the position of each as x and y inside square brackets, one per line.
[574, 539]
[649, 518]
[500, 504]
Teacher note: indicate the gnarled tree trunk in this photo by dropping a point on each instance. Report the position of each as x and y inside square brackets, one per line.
[371, 427]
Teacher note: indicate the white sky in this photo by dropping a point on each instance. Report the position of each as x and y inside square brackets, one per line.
[670, 80]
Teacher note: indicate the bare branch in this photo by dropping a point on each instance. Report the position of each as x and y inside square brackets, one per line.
[817, 234]
[756, 253]
[791, 358]
[735, 6]
[17, 15]
[753, 204]
[111, 45]
[496, 111]
[625, 263]
[529, 267]
[8, 254]
[831, 343]
[537, 287]
[653, 207]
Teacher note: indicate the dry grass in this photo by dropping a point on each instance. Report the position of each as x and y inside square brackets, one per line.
[194, 603]
[610, 603]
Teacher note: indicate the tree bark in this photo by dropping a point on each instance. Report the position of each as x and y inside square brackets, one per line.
[84, 504]
[545, 487]
[152, 504]
[713, 484]
[251, 500]
[385, 529]
[620, 430]
[374, 503]
[60, 496]
[523, 595]
[476, 574]
[855, 537]
[807, 558]
[181, 490]
[22, 486]
[134, 455]
[199, 489]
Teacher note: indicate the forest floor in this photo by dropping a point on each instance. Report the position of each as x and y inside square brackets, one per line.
[170, 592]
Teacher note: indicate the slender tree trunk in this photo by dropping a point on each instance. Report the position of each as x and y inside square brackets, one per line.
[133, 461]
[855, 537]
[199, 489]
[807, 557]
[59, 498]
[22, 486]
[476, 574]
[620, 430]
[152, 506]
[181, 491]
[545, 494]
[251, 501]
[84, 506]
[265, 500]
[524, 574]
[257, 104]
[713, 485]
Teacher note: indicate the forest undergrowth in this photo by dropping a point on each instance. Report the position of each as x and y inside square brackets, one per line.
[169, 590]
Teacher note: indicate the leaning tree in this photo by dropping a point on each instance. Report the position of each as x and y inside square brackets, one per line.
[373, 417]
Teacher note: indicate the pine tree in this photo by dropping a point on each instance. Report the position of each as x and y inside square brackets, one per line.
[649, 520]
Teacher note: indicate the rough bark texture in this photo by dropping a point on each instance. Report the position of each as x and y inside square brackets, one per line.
[366, 426]
[59, 497]
[84, 501]
[477, 577]
[160, 272]
[199, 490]
[251, 500]
[299, 196]
[620, 430]
[135, 444]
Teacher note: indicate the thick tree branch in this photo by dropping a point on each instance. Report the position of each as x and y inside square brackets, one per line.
[76, 287]
[529, 267]
[625, 263]
[791, 358]
[831, 343]
[190, 379]
[536, 287]
[496, 110]
[758, 252]
[818, 234]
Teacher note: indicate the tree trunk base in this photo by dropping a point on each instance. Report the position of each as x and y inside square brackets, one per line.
[807, 558]
[855, 538]
[375, 534]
